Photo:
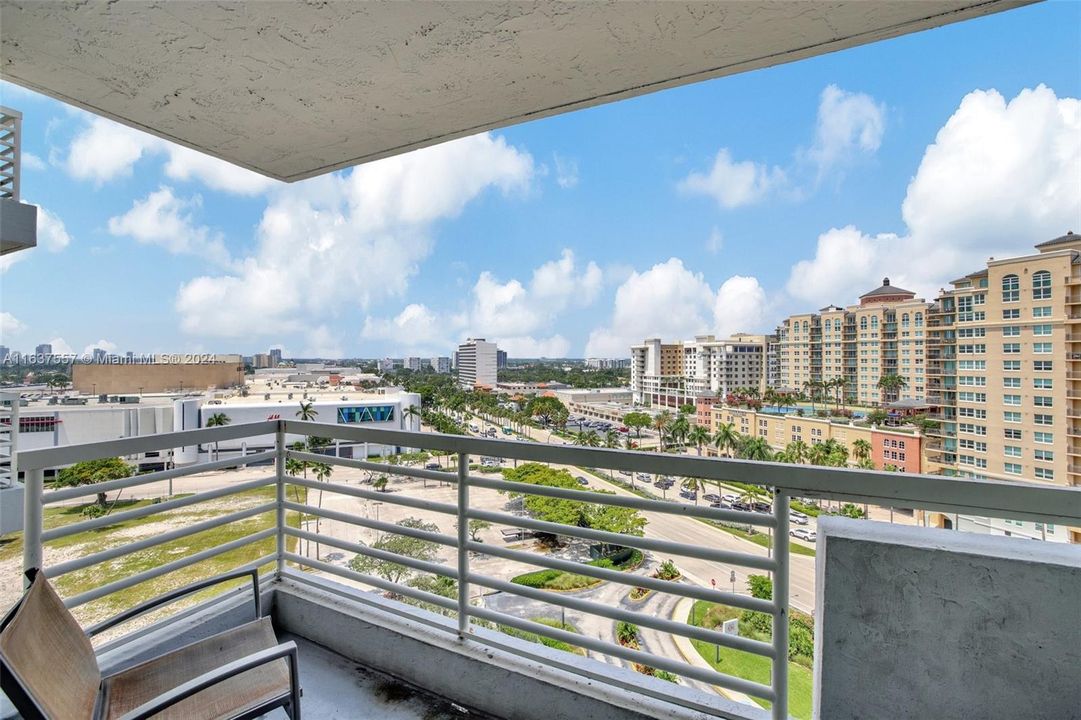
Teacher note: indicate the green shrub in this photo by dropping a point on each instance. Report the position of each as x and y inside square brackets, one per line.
[626, 633]
[668, 571]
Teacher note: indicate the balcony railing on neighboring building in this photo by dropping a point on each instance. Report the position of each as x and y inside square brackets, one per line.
[10, 144]
[895, 490]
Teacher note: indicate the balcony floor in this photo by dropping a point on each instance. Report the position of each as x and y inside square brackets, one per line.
[336, 687]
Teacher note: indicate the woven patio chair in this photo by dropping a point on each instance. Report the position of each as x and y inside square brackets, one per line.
[48, 668]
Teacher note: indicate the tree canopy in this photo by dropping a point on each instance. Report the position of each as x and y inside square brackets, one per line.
[622, 520]
[403, 545]
[91, 472]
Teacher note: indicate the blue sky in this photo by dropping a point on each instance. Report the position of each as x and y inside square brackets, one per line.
[717, 207]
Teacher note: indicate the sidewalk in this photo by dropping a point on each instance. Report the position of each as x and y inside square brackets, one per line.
[680, 614]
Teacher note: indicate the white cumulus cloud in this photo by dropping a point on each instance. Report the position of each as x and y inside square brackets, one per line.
[348, 239]
[519, 316]
[999, 173]
[161, 218]
[9, 325]
[671, 301]
[848, 124]
[103, 344]
[733, 184]
[104, 150]
[30, 161]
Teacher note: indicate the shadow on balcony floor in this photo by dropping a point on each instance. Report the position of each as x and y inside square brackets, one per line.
[337, 688]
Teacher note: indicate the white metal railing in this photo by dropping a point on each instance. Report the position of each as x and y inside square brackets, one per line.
[953, 495]
[10, 152]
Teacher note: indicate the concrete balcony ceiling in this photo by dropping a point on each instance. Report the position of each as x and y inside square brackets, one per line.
[293, 90]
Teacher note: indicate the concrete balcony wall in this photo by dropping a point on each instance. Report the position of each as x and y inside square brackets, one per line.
[921, 623]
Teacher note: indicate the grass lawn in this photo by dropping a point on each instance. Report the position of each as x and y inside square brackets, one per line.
[546, 641]
[110, 536]
[747, 665]
[549, 579]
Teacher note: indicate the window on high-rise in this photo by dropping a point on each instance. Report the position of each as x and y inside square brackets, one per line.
[1042, 401]
[1041, 329]
[1043, 365]
[1011, 288]
[1041, 311]
[1011, 399]
[1011, 331]
[1011, 348]
[1011, 451]
[1011, 416]
[1011, 314]
[1041, 285]
[1045, 474]
[1012, 468]
[1012, 434]
[1043, 437]
[1011, 382]
[919, 319]
[1040, 419]
[1045, 455]
[1043, 348]
[1011, 364]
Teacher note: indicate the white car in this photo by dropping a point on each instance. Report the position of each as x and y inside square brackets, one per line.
[803, 534]
[797, 517]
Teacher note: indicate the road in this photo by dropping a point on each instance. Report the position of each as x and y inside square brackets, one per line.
[677, 528]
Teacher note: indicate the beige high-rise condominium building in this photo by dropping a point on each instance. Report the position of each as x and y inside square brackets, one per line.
[1004, 367]
[882, 335]
[674, 374]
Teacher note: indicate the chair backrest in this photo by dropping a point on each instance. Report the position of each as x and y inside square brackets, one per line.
[49, 656]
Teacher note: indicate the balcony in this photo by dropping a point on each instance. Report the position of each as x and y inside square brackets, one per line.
[364, 635]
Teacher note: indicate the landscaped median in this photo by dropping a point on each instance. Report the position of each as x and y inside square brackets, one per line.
[755, 667]
[626, 559]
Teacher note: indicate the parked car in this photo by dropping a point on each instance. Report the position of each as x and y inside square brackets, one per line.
[760, 506]
[433, 466]
[729, 498]
[623, 429]
[473, 427]
[722, 505]
[581, 480]
[803, 534]
[712, 497]
[689, 494]
[644, 477]
[624, 472]
[797, 517]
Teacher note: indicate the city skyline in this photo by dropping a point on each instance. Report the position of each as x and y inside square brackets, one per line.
[573, 236]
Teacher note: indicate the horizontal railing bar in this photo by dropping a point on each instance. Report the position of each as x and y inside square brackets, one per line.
[389, 498]
[614, 613]
[374, 581]
[373, 524]
[637, 656]
[743, 602]
[153, 509]
[637, 503]
[123, 584]
[412, 613]
[147, 478]
[964, 495]
[437, 475]
[67, 454]
[642, 543]
[422, 565]
[133, 547]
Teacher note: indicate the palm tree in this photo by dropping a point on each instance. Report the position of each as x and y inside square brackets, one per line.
[756, 448]
[841, 382]
[587, 438]
[679, 429]
[307, 411]
[218, 420]
[810, 386]
[796, 451]
[693, 485]
[698, 436]
[322, 472]
[660, 423]
[861, 450]
[611, 439]
[726, 438]
[410, 412]
[890, 385]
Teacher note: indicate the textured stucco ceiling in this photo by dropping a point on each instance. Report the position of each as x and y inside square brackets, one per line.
[294, 89]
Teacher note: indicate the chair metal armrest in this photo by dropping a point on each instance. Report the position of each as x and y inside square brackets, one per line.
[202, 682]
[168, 597]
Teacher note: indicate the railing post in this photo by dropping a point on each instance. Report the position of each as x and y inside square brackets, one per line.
[280, 486]
[33, 520]
[780, 603]
[463, 538]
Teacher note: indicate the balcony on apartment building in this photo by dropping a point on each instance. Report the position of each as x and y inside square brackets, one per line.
[963, 600]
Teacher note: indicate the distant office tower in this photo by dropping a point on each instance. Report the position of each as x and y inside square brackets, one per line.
[275, 357]
[99, 354]
[412, 363]
[440, 364]
[477, 363]
[500, 359]
[260, 360]
[4, 352]
[44, 349]
[674, 374]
